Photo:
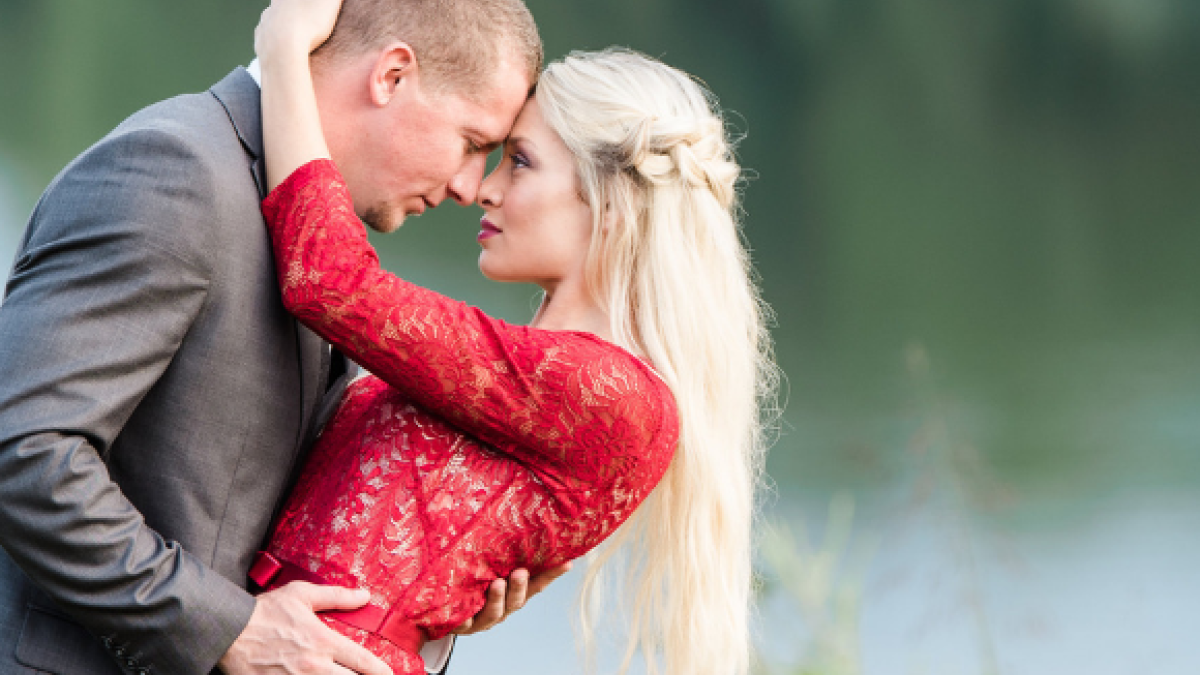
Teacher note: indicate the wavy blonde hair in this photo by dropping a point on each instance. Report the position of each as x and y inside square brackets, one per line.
[668, 264]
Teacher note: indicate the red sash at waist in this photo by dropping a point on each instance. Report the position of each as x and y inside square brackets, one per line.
[270, 573]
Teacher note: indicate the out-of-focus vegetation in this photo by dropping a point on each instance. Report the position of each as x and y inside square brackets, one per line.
[993, 201]
[819, 582]
[1008, 183]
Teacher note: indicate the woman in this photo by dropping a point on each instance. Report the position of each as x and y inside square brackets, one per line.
[476, 447]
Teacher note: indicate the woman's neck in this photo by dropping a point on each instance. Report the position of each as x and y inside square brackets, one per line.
[569, 307]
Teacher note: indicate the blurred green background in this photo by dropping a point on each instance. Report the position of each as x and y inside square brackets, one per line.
[977, 223]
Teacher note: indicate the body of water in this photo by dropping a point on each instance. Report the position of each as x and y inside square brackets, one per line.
[1109, 589]
[976, 223]
[1104, 589]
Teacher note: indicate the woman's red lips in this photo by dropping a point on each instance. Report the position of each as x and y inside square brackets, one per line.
[487, 229]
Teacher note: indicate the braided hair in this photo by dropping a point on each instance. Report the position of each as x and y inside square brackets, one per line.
[668, 264]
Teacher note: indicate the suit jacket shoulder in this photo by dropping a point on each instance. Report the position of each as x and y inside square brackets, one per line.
[156, 396]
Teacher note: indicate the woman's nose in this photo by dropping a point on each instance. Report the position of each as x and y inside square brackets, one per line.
[489, 192]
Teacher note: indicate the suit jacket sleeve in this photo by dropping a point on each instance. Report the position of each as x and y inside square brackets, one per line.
[110, 277]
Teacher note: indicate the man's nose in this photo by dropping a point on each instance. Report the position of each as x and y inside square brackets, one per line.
[464, 186]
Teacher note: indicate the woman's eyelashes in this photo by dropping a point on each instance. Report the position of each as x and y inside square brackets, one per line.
[519, 160]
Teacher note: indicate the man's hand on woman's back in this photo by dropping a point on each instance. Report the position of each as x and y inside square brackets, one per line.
[285, 636]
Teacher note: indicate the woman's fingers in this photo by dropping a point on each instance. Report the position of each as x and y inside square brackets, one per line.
[296, 24]
[518, 586]
[541, 581]
[312, 19]
[491, 614]
[505, 597]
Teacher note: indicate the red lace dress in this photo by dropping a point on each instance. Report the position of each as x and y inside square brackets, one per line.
[474, 448]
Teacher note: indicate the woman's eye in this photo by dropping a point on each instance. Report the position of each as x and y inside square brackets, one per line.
[519, 161]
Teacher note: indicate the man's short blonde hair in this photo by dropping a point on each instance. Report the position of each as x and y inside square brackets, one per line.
[457, 42]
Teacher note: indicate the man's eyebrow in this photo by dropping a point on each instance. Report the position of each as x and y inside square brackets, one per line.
[487, 146]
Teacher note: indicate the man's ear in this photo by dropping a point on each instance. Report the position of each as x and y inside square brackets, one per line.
[395, 70]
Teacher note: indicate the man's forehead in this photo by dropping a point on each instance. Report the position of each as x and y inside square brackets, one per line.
[489, 126]
[497, 116]
[508, 86]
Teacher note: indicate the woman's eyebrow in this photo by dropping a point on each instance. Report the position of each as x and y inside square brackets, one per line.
[520, 141]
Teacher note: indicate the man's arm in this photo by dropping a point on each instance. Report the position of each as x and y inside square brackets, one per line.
[111, 275]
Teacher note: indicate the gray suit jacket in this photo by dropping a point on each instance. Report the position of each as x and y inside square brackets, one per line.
[155, 397]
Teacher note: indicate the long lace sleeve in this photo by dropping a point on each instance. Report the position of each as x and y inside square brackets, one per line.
[475, 447]
[569, 403]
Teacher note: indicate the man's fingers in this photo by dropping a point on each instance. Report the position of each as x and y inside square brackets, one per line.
[541, 581]
[354, 658]
[322, 598]
[285, 631]
[346, 654]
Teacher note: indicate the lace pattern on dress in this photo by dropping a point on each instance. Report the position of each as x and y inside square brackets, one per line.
[475, 447]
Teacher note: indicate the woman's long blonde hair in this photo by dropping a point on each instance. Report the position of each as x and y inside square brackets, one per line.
[668, 264]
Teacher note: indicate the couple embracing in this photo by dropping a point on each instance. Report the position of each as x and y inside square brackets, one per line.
[192, 477]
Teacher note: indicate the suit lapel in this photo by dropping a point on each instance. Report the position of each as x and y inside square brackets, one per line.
[259, 172]
[314, 371]
[240, 96]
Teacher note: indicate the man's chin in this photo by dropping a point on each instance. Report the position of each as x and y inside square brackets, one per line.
[384, 221]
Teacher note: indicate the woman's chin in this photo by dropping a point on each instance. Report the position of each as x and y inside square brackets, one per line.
[488, 271]
[501, 276]
[493, 268]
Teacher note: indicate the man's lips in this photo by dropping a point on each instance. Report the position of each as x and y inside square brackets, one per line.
[487, 230]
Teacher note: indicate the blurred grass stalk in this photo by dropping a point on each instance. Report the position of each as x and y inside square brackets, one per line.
[827, 595]
[825, 580]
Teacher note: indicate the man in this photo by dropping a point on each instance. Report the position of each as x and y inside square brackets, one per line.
[157, 400]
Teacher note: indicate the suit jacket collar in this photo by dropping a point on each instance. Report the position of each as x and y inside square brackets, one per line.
[241, 97]
[239, 94]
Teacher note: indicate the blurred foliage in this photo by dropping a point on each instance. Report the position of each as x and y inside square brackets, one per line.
[1007, 183]
[824, 576]
[976, 222]
[826, 598]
